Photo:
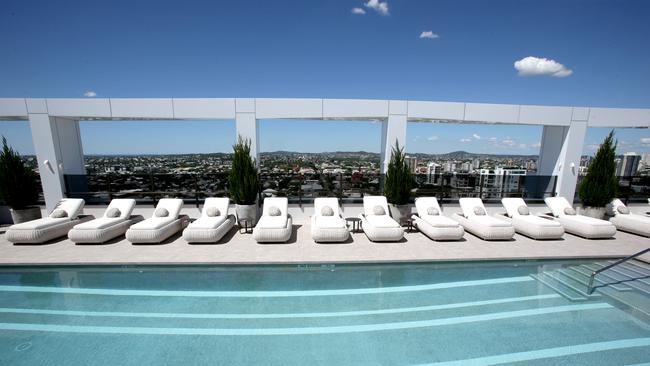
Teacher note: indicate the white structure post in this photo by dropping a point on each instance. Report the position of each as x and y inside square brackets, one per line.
[393, 130]
[57, 143]
[247, 125]
[560, 155]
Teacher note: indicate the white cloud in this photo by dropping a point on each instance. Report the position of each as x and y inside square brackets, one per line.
[358, 11]
[432, 138]
[90, 94]
[476, 136]
[465, 140]
[508, 142]
[534, 66]
[378, 6]
[536, 145]
[429, 35]
[645, 140]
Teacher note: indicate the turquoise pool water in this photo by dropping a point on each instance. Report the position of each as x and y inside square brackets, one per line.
[403, 314]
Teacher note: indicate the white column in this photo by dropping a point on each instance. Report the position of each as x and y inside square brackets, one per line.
[393, 130]
[247, 125]
[560, 155]
[57, 143]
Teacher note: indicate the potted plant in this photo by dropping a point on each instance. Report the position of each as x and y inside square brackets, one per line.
[243, 182]
[599, 186]
[398, 184]
[18, 186]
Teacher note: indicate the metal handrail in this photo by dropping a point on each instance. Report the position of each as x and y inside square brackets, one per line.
[590, 287]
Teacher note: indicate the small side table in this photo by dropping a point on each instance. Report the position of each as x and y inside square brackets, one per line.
[408, 222]
[244, 225]
[356, 224]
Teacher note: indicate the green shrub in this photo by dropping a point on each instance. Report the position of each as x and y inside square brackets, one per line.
[599, 186]
[18, 185]
[243, 182]
[399, 180]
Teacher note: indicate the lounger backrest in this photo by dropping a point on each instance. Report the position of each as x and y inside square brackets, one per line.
[422, 205]
[369, 203]
[125, 205]
[173, 205]
[280, 202]
[512, 205]
[612, 207]
[221, 203]
[73, 206]
[557, 205]
[468, 204]
[321, 202]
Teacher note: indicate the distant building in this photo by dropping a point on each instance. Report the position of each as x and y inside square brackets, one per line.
[499, 182]
[629, 164]
[476, 163]
[434, 173]
[412, 162]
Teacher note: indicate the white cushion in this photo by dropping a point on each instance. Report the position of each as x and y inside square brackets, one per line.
[439, 221]
[125, 205]
[381, 221]
[100, 223]
[536, 220]
[523, 210]
[58, 213]
[587, 220]
[161, 212]
[369, 203]
[73, 206]
[212, 212]
[153, 223]
[467, 205]
[39, 224]
[569, 211]
[512, 204]
[274, 211]
[172, 205]
[331, 202]
[423, 204]
[490, 221]
[623, 210]
[378, 210]
[557, 205]
[113, 212]
[204, 222]
[281, 203]
[221, 203]
[327, 211]
[479, 211]
[272, 222]
[329, 222]
[432, 211]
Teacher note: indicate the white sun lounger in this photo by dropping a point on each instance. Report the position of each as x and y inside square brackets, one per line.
[376, 223]
[430, 221]
[275, 225]
[51, 227]
[474, 219]
[165, 222]
[327, 224]
[115, 221]
[587, 227]
[530, 225]
[626, 221]
[213, 224]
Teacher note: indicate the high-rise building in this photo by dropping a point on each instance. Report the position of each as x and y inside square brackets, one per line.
[434, 173]
[412, 162]
[476, 163]
[629, 165]
[500, 181]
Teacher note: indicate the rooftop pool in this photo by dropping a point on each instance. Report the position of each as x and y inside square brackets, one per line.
[464, 313]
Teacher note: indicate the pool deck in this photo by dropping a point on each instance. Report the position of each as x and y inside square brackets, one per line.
[236, 248]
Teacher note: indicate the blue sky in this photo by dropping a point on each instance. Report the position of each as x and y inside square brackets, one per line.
[450, 50]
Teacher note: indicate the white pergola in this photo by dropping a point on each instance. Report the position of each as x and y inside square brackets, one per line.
[54, 124]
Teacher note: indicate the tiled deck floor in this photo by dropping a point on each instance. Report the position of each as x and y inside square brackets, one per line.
[238, 248]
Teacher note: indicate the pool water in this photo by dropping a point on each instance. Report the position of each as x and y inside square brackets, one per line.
[402, 314]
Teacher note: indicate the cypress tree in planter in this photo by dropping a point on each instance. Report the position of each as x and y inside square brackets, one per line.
[243, 182]
[599, 186]
[398, 184]
[18, 186]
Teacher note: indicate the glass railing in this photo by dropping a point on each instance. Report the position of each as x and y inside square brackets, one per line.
[303, 188]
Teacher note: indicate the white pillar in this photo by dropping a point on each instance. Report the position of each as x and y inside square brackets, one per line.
[247, 125]
[57, 143]
[560, 155]
[393, 130]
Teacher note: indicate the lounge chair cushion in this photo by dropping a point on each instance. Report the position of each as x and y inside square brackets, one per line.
[329, 222]
[113, 212]
[468, 206]
[213, 212]
[58, 213]
[479, 211]
[274, 211]
[39, 224]
[153, 223]
[491, 221]
[569, 211]
[98, 224]
[123, 205]
[523, 210]
[72, 206]
[538, 221]
[587, 220]
[432, 211]
[623, 210]
[378, 211]
[272, 222]
[332, 203]
[557, 205]
[172, 205]
[207, 222]
[326, 211]
[439, 221]
[382, 221]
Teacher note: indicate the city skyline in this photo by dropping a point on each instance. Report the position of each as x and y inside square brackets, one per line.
[417, 50]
